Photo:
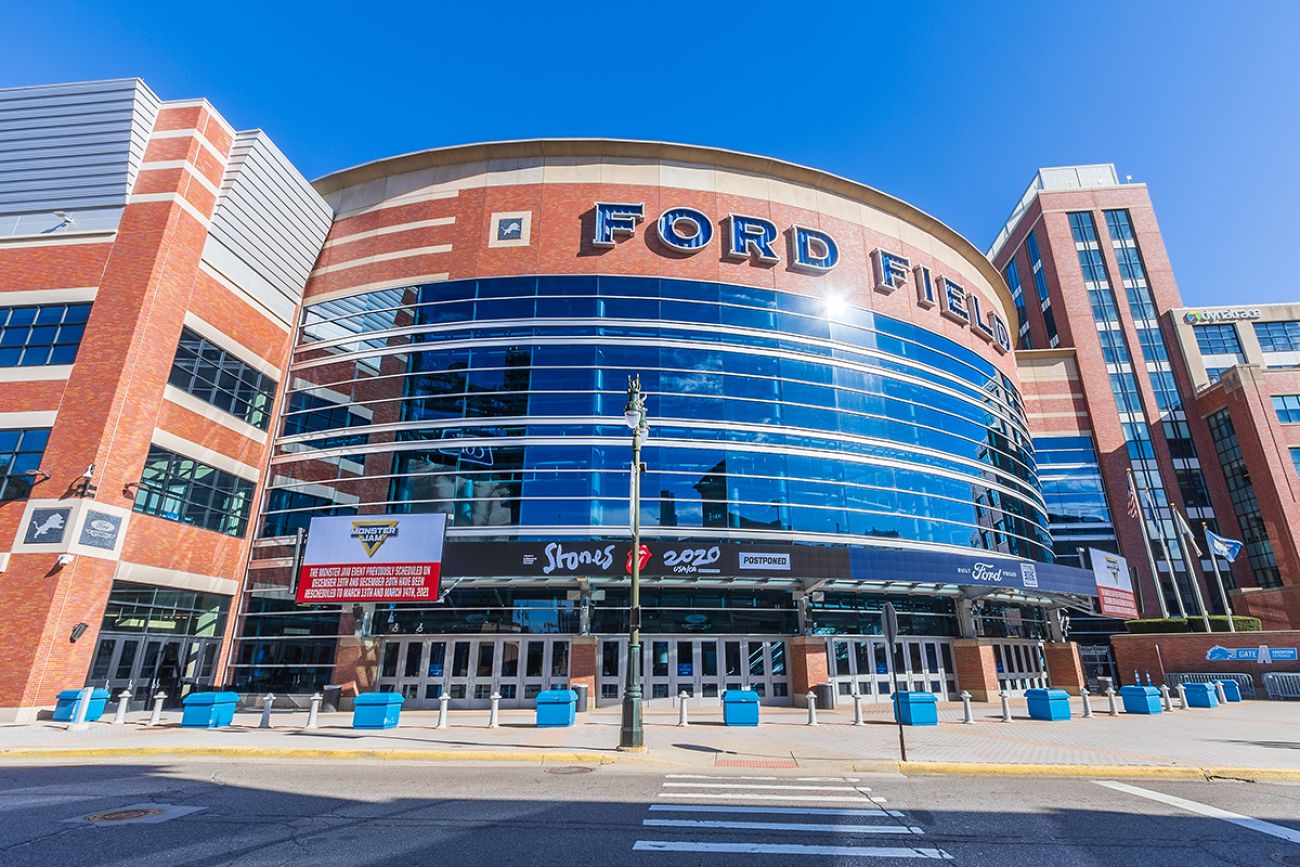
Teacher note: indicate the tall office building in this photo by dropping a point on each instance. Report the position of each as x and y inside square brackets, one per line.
[1093, 286]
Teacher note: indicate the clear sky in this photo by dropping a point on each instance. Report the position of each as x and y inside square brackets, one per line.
[951, 106]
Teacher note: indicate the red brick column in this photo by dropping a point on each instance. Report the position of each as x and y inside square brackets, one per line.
[977, 670]
[1064, 667]
[809, 665]
[582, 665]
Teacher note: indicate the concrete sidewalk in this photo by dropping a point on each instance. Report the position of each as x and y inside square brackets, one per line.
[1256, 740]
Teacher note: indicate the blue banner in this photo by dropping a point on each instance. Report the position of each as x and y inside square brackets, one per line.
[879, 564]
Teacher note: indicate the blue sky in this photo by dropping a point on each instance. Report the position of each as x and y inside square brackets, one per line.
[951, 106]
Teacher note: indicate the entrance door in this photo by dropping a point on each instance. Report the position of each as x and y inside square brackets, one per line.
[703, 668]
[470, 669]
[861, 664]
[145, 664]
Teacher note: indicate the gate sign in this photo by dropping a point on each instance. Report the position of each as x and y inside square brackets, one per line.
[372, 558]
[1263, 654]
[1114, 586]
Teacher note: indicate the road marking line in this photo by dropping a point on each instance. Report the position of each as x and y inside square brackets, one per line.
[771, 811]
[781, 826]
[876, 798]
[762, 786]
[789, 849]
[733, 777]
[1253, 824]
[746, 796]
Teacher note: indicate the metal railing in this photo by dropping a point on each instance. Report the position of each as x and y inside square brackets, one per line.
[1282, 684]
[1244, 681]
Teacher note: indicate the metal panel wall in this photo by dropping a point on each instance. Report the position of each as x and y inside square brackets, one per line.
[269, 224]
[71, 147]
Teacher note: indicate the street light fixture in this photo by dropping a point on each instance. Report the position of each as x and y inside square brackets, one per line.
[632, 733]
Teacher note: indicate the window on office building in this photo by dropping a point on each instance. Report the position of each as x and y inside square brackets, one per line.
[1259, 548]
[1218, 340]
[1287, 407]
[21, 451]
[211, 374]
[1278, 336]
[47, 334]
[1040, 285]
[182, 489]
[1012, 275]
[1295, 460]
[1214, 374]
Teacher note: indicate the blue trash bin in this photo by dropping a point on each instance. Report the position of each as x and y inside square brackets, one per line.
[65, 707]
[740, 707]
[1140, 699]
[376, 710]
[1231, 690]
[1201, 695]
[208, 710]
[1052, 705]
[556, 708]
[916, 708]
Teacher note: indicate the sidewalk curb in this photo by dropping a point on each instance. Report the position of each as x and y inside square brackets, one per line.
[1149, 772]
[521, 756]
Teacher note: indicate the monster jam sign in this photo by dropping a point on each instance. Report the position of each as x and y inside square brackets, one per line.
[375, 558]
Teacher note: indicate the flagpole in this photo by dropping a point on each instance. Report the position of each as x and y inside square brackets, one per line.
[1164, 546]
[1146, 542]
[1188, 540]
[1218, 578]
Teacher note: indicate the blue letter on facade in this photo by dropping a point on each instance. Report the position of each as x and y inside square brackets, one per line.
[614, 220]
[952, 300]
[751, 235]
[924, 286]
[685, 229]
[814, 250]
[891, 270]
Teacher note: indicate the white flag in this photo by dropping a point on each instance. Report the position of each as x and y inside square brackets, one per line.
[1186, 532]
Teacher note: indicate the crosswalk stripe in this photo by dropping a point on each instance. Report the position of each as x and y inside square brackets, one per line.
[789, 849]
[765, 786]
[758, 809]
[747, 796]
[781, 826]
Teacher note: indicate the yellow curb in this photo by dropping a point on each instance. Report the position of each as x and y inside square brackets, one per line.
[303, 753]
[1162, 772]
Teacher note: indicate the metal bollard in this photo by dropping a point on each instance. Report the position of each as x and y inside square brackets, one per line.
[316, 699]
[1110, 697]
[1164, 697]
[681, 712]
[857, 710]
[1218, 688]
[1087, 705]
[812, 708]
[1182, 698]
[155, 718]
[967, 715]
[1006, 705]
[266, 711]
[123, 699]
[494, 717]
[442, 710]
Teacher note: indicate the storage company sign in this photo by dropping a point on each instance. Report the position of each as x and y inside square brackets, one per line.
[379, 558]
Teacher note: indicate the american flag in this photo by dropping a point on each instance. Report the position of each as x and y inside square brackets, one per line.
[1133, 507]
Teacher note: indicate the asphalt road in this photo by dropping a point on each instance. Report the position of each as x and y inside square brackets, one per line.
[354, 813]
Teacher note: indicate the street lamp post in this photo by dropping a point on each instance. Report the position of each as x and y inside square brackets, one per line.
[632, 734]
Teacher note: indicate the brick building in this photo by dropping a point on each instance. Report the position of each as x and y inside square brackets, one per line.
[151, 262]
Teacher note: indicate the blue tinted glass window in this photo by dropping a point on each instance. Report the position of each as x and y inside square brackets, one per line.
[37, 336]
[182, 489]
[213, 375]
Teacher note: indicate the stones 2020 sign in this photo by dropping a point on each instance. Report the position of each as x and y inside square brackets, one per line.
[379, 558]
